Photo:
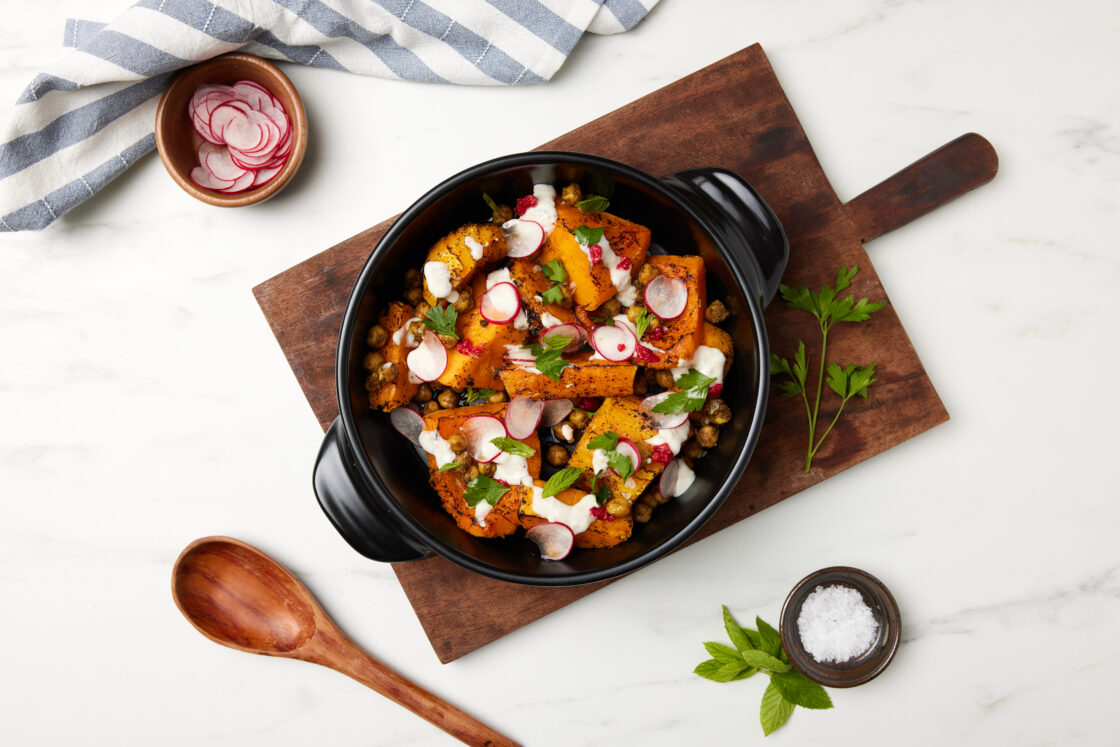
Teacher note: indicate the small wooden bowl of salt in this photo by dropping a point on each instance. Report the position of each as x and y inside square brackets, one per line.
[840, 626]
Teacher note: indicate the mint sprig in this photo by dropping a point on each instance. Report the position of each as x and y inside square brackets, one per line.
[593, 204]
[588, 236]
[513, 446]
[847, 381]
[761, 651]
[483, 488]
[562, 480]
[475, 395]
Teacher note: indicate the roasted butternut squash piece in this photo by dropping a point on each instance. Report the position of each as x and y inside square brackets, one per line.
[500, 521]
[532, 283]
[681, 336]
[465, 250]
[450, 422]
[582, 377]
[621, 415]
[714, 337]
[475, 361]
[600, 533]
[401, 391]
[592, 285]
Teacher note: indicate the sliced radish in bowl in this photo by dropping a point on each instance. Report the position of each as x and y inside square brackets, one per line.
[574, 332]
[500, 304]
[553, 539]
[661, 420]
[524, 238]
[408, 423]
[480, 430]
[614, 342]
[666, 297]
[667, 485]
[523, 415]
[555, 410]
[428, 360]
[628, 448]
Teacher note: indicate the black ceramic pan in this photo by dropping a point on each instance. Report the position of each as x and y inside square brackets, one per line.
[372, 483]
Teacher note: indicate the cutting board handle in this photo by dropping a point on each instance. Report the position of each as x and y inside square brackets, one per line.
[945, 174]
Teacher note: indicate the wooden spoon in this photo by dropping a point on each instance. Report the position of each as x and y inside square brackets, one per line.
[241, 598]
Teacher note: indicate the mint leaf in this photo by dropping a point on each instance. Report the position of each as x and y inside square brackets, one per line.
[475, 395]
[513, 446]
[723, 672]
[441, 320]
[490, 202]
[483, 488]
[763, 660]
[588, 236]
[605, 441]
[450, 466]
[775, 710]
[735, 632]
[602, 495]
[554, 271]
[594, 204]
[800, 690]
[771, 642]
[722, 653]
[562, 480]
[644, 320]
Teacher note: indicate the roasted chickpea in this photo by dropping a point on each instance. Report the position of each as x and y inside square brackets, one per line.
[618, 507]
[449, 341]
[448, 399]
[372, 361]
[465, 300]
[487, 468]
[692, 450]
[422, 309]
[497, 398]
[415, 329]
[647, 273]
[430, 407]
[651, 376]
[562, 428]
[377, 337]
[502, 214]
[414, 296]
[634, 313]
[373, 383]
[566, 297]
[611, 308]
[716, 312]
[423, 394]
[472, 472]
[413, 278]
[388, 373]
[718, 411]
[641, 386]
[571, 194]
[649, 498]
[557, 456]
[708, 436]
[458, 443]
[665, 378]
[579, 419]
[642, 513]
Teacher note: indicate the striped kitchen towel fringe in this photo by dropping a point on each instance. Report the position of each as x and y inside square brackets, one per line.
[79, 125]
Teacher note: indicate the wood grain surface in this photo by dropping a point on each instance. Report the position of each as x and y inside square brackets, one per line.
[732, 114]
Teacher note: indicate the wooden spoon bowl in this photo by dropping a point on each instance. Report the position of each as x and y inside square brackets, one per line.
[237, 596]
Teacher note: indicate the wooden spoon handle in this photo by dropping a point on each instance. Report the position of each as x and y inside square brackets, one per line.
[333, 649]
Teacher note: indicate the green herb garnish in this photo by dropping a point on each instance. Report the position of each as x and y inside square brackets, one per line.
[847, 381]
[693, 393]
[607, 320]
[645, 318]
[513, 446]
[547, 357]
[593, 204]
[490, 202]
[476, 395]
[620, 463]
[483, 488]
[555, 272]
[605, 441]
[441, 320]
[602, 495]
[588, 236]
[450, 466]
[761, 650]
[562, 480]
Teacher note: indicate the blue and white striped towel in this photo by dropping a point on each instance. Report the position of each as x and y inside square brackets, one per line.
[81, 124]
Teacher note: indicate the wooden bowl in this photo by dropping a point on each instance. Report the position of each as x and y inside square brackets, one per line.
[178, 141]
[863, 667]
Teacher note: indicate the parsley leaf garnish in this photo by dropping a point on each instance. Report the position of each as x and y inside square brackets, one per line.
[441, 320]
[607, 320]
[547, 358]
[513, 446]
[593, 204]
[562, 480]
[553, 295]
[691, 397]
[476, 395]
[483, 488]
[847, 381]
[555, 272]
[620, 463]
[588, 236]
[605, 441]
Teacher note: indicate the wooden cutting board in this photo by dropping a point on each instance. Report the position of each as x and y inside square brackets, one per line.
[732, 114]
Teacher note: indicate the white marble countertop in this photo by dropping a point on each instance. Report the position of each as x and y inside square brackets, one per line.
[144, 403]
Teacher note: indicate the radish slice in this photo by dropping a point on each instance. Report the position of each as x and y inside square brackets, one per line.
[630, 449]
[243, 182]
[661, 420]
[253, 94]
[614, 342]
[555, 410]
[201, 176]
[408, 423]
[573, 331]
[500, 304]
[523, 415]
[667, 485]
[261, 176]
[480, 430]
[524, 238]
[428, 360]
[553, 539]
[666, 297]
[217, 161]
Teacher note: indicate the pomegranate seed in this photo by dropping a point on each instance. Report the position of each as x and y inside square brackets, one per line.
[466, 348]
[621, 347]
[715, 389]
[588, 404]
[524, 203]
[601, 513]
[662, 454]
[624, 263]
[656, 333]
[643, 353]
[596, 253]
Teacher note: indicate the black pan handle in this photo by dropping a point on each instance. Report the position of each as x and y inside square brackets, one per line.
[742, 220]
[367, 527]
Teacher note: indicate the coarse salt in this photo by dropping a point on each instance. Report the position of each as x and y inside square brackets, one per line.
[835, 624]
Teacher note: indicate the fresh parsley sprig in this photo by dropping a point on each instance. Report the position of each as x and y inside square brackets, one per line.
[441, 320]
[847, 381]
[555, 272]
[483, 488]
[547, 357]
[693, 392]
[761, 650]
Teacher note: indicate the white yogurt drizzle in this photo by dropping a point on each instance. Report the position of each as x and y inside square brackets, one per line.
[544, 212]
[548, 320]
[674, 438]
[625, 291]
[512, 469]
[475, 247]
[403, 336]
[706, 360]
[481, 511]
[500, 275]
[438, 447]
[437, 276]
[685, 478]
[577, 518]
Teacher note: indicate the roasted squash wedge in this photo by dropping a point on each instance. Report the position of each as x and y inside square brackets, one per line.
[600, 533]
[681, 336]
[621, 415]
[476, 363]
[582, 377]
[532, 283]
[460, 251]
[400, 392]
[450, 422]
